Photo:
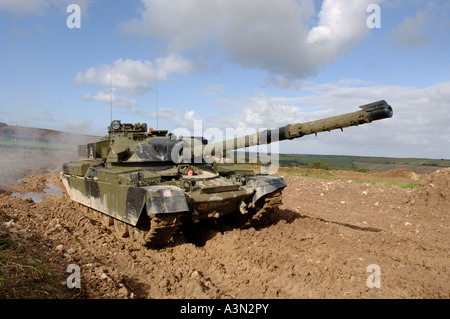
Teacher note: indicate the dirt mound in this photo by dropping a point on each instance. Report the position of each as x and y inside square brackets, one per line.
[433, 193]
[401, 172]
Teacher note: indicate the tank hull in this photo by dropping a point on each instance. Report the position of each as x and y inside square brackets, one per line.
[133, 204]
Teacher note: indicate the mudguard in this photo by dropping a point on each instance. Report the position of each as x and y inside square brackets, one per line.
[264, 185]
[165, 199]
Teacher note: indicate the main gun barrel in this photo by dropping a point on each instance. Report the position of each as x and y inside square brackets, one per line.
[368, 113]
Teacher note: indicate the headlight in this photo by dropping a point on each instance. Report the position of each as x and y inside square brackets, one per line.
[115, 125]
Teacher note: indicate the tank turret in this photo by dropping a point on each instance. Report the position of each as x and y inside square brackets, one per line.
[144, 183]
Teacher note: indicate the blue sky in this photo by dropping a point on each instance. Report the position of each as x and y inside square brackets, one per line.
[232, 64]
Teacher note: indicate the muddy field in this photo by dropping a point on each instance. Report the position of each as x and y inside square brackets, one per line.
[330, 239]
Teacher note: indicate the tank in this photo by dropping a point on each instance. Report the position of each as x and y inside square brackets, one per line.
[145, 183]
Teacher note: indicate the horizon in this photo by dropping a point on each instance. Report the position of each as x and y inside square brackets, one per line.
[247, 150]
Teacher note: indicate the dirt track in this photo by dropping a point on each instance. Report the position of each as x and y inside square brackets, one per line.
[319, 245]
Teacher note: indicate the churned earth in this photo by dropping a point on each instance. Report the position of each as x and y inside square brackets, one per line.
[339, 237]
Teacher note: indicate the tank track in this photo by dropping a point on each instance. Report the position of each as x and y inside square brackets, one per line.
[153, 231]
[271, 204]
[156, 231]
[265, 206]
[162, 228]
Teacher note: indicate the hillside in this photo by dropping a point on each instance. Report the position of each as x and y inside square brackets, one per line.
[37, 138]
[378, 164]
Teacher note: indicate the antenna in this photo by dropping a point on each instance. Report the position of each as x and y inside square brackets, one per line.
[155, 13]
[156, 98]
[110, 89]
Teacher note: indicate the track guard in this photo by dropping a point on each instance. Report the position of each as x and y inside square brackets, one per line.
[165, 199]
[265, 185]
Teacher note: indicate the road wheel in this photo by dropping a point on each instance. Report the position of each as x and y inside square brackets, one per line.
[107, 221]
[121, 228]
[137, 235]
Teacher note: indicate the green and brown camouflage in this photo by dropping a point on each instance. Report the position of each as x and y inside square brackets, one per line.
[145, 183]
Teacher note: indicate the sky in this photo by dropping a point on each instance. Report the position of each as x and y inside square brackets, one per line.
[232, 66]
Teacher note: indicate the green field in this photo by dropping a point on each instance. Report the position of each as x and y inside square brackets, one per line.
[345, 162]
[361, 163]
[379, 164]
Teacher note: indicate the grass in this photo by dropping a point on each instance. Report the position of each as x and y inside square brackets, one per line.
[357, 162]
[385, 183]
[322, 171]
[307, 172]
[343, 162]
[22, 275]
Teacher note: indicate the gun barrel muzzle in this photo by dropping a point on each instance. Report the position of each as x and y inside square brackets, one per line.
[378, 110]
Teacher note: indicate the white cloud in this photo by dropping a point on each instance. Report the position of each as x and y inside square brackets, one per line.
[106, 96]
[340, 22]
[184, 24]
[176, 118]
[134, 76]
[129, 77]
[172, 64]
[271, 35]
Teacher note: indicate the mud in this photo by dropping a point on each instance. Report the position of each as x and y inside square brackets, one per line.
[320, 244]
